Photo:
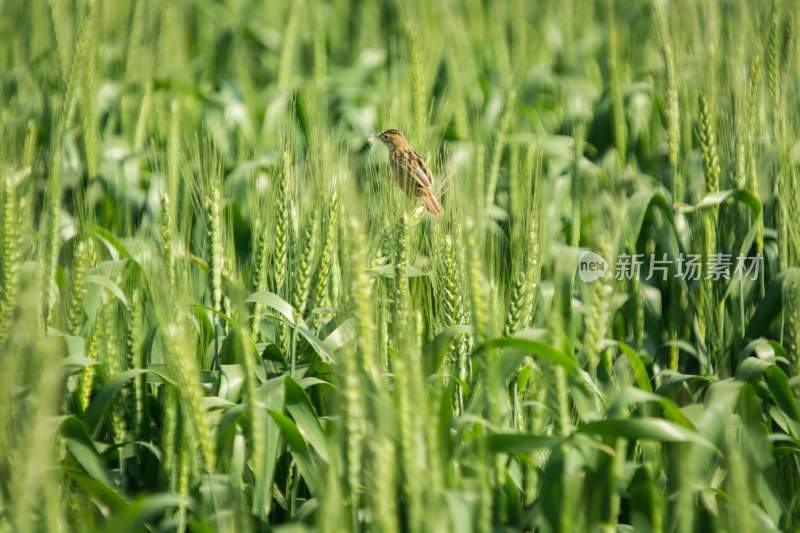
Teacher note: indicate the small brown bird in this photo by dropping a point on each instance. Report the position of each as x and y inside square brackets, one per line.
[409, 170]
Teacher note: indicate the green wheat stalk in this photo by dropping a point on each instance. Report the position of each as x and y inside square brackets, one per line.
[84, 260]
[454, 314]
[10, 254]
[135, 356]
[361, 295]
[186, 374]
[216, 263]
[326, 256]
[303, 266]
[400, 286]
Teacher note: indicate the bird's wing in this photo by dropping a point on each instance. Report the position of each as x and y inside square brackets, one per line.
[420, 171]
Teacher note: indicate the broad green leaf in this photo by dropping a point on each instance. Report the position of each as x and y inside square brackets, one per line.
[299, 449]
[110, 286]
[270, 395]
[142, 510]
[228, 320]
[344, 333]
[273, 301]
[262, 496]
[299, 406]
[630, 395]
[771, 305]
[655, 429]
[764, 349]
[111, 241]
[103, 400]
[778, 384]
[644, 494]
[83, 450]
[230, 385]
[74, 364]
[271, 352]
[673, 379]
[436, 350]
[752, 369]
[716, 199]
[97, 490]
[76, 347]
[554, 498]
[226, 431]
[639, 205]
[539, 349]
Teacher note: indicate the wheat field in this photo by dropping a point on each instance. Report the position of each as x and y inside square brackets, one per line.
[218, 312]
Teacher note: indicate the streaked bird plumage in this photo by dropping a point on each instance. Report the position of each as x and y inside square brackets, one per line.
[410, 171]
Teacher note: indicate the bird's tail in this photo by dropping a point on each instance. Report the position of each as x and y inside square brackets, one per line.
[431, 203]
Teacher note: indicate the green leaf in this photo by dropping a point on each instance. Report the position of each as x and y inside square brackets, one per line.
[111, 241]
[771, 305]
[271, 352]
[542, 351]
[673, 379]
[753, 369]
[539, 349]
[639, 205]
[294, 321]
[778, 384]
[762, 348]
[262, 495]
[231, 380]
[554, 498]
[344, 333]
[271, 395]
[742, 196]
[655, 429]
[299, 406]
[436, 350]
[110, 286]
[273, 301]
[630, 395]
[76, 346]
[102, 402]
[645, 506]
[460, 510]
[519, 442]
[299, 450]
[228, 320]
[716, 199]
[140, 511]
[99, 492]
[637, 366]
[74, 364]
[83, 450]
[226, 431]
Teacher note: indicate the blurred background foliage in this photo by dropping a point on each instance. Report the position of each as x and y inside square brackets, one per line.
[219, 313]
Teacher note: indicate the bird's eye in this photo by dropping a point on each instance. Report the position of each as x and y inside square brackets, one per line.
[385, 136]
